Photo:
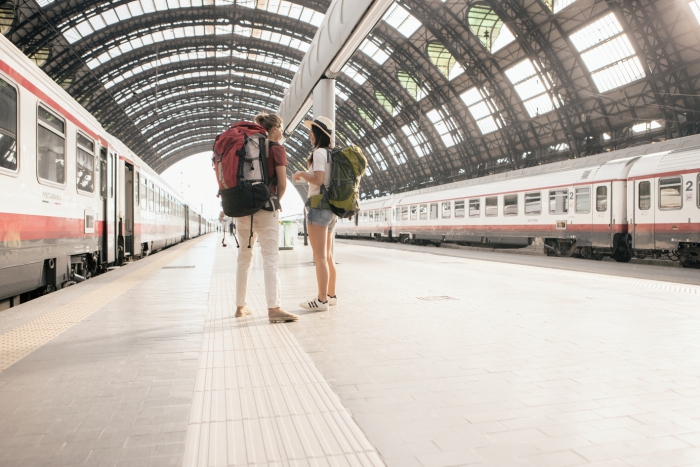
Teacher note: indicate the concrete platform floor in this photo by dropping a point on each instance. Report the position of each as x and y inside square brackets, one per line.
[426, 361]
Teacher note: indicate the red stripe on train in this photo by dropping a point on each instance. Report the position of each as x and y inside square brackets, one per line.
[602, 228]
[15, 227]
[20, 227]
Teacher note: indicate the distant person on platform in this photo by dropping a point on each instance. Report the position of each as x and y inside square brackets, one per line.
[230, 229]
[321, 222]
[265, 230]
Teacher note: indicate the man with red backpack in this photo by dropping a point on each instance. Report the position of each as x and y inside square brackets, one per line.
[251, 169]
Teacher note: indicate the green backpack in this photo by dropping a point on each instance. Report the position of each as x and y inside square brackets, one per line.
[348, 165]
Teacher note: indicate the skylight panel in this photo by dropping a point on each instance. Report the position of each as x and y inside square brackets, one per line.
[386, 103]
[373, 120]
[532, 85]
[417, 138]
[608, 53]
[646, 127]
[560, 5]
[376, 50]
[189, 31]
[488, 27]
[352, 72]
[695, 7]
[444, 60]
[377, 157]
[483, 109]
[357, 129]
[400, 19]
[445, 126]
[45, 3]
[89, 24]
[395, 149]
[411, 86]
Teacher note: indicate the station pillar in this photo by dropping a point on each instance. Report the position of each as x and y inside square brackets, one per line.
[324, 106]
[324, 100]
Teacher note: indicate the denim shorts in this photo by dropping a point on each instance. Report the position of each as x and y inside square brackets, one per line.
[322, 217]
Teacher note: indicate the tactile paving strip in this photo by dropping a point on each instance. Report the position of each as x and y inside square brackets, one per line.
[259, 399]
[24, 339]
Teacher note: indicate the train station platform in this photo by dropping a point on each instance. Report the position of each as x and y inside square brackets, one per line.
[428, 360]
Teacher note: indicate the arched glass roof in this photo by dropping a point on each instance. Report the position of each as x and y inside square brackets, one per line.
[439, 91]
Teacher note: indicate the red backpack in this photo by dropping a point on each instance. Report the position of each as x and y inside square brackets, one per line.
[240, 162]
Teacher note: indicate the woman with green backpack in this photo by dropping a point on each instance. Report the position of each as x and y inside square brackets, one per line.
[320, 221]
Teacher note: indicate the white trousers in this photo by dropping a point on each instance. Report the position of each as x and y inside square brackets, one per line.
[266, 233]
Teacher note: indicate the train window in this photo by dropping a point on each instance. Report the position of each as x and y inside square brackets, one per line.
[365, 217]
[459, 208]
[8, 126]
[137, 188]
[671, 193]
[144, 193]
[533, 203]
[151, 197]
[644, 195]
[491, 206]
[583, 199]
[385, 214]
[51, 147]
[85, 164]
[404, 213]
[601, 199]
[475, 207]
[510, 205]
[447, 210]
[103, 173]
[423, 211]
[433, 211]
[558, 201]
[371, 216]
[414, 213]
[157, 199]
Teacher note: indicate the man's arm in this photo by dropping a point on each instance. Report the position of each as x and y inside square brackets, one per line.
[281, 180]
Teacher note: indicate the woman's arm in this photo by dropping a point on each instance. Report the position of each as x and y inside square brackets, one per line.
[281, 180]
[316, 179]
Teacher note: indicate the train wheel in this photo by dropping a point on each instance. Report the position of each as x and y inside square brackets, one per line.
[623, 252]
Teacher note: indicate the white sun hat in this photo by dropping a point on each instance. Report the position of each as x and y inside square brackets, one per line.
[322, 123]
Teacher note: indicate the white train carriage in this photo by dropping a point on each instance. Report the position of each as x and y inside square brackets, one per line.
[569, 205]
[373, 222]
[663, 202]
[581, 206]
[74, 199]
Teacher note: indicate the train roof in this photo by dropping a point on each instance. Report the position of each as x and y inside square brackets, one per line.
[594, 168]
[672, 162]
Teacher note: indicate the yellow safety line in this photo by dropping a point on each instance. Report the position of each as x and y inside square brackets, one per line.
[22, 340]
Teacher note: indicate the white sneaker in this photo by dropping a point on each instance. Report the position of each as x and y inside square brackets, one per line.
[314, 305]
[332, 301]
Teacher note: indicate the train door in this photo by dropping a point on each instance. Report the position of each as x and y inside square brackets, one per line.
[187, 222]
[108, 205]
[643, 219]
[138, 199]
[601, 208]
[128, 209]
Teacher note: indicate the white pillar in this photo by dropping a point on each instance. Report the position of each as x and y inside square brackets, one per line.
[324, 100]
[324, 106]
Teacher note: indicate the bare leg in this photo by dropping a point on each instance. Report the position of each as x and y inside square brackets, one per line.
[331, 264]
[318, 236]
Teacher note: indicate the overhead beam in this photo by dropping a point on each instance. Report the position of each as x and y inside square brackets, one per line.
[346, 24]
